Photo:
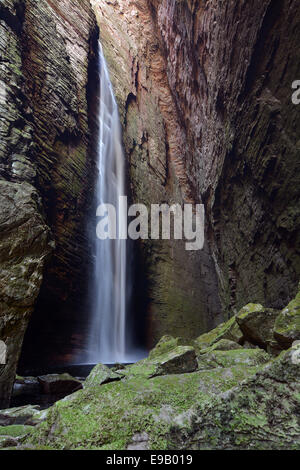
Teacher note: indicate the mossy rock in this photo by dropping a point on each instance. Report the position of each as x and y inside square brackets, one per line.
[11, 436]
[20, 415]
[261, 413]
[62, 384]
[287, 324]
[8, 442]
[257, 324]
[165, 345]
[229, 330]
[15, 430]
[237, 407]
[100, 375]
[167, 358]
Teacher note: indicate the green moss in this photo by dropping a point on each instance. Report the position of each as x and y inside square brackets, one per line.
[250, 308]
[165, 345]
[15, 430]
[246, 357]
[222, 345]
[109, 416]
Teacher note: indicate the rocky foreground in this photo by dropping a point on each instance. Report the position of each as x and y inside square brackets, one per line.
[236, 387]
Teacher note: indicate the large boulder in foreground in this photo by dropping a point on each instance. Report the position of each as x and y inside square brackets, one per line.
[131, 413]
[287, 324]
[261, 413]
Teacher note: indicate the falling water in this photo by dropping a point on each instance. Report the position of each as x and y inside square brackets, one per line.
[108, 326]
[110, 339]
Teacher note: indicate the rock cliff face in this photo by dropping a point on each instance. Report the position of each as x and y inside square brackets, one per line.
[44, 162]
[231, 66]
[205, 96]
[59, 85]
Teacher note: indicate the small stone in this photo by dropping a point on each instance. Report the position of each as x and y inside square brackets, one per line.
[19, 415]
[59, 384]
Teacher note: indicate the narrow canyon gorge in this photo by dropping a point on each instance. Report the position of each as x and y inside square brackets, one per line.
[203, 89]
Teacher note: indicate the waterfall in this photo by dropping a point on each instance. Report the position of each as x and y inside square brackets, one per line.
[109, 335]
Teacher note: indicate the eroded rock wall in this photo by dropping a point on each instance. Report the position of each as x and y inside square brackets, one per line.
[45, 163]
[59, 40]
[231, 66]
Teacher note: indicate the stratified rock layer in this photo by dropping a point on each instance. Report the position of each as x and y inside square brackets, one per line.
[45, 165]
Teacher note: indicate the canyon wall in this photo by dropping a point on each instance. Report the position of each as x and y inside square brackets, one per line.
[204, 89]
[230, 67]
[45, 165]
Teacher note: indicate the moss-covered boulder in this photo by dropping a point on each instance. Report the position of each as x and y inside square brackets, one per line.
[165, 345]
[262, 412]
[100, 375]
[238, 402]
[287, 324]
[257, 324]
[229, 330]
[11, 436]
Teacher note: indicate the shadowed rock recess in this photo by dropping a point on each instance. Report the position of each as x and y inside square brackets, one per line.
[204, 92]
